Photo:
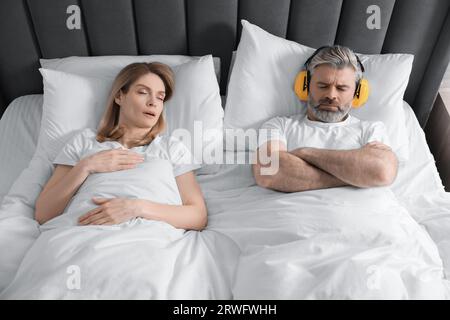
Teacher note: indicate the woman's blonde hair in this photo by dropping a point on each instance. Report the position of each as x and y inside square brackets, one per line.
[109, 129]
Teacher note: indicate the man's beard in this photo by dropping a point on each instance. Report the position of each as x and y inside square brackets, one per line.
[325, 115]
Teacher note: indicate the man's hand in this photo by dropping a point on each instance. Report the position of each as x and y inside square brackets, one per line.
[370, 166]
[377, 145]
[301, 152]
[111, 211]
[294, 174]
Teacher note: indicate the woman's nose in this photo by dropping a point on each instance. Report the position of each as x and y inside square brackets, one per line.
[151, 100]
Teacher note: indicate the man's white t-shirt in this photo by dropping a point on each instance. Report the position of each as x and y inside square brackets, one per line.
[298, 131]
[154, 179]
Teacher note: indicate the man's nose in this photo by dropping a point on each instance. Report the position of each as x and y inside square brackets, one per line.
[331, 93]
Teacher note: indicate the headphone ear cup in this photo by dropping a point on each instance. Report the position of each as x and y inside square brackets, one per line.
[361, 94]
[301, 85]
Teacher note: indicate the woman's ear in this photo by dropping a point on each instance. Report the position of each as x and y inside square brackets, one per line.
[118, 98]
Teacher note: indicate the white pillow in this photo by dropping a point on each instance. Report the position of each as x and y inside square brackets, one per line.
[388, 76]
[73, 102]
[262, 81]
[101, 66]
[19, 129]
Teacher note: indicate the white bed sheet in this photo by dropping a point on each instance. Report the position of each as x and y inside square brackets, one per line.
[417, 187]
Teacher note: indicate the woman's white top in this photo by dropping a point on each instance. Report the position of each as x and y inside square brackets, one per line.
[154, 179]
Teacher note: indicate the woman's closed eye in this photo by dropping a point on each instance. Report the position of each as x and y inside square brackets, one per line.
[161, 98]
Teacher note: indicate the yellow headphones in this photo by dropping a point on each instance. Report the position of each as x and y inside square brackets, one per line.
[302, 81]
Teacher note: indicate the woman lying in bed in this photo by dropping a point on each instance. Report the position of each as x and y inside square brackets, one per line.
[126, 171]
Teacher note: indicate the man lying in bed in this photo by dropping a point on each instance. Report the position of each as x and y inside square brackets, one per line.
[328, 147]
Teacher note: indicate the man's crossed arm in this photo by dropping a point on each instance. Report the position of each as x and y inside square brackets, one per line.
[309, 168]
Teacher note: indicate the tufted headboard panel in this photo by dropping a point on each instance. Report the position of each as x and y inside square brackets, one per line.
[33, 29]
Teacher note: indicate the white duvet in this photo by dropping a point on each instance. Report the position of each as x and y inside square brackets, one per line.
[329, 244]
[333, 243]
[339, 243]
[136, 260]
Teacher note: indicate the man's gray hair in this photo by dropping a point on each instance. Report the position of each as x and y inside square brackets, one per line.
[338, 57]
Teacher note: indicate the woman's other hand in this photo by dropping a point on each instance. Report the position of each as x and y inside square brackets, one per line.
[111, 211]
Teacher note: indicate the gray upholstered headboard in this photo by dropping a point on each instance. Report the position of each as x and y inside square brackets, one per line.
[31, 29]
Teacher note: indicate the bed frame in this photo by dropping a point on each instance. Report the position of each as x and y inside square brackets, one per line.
[33, 29]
